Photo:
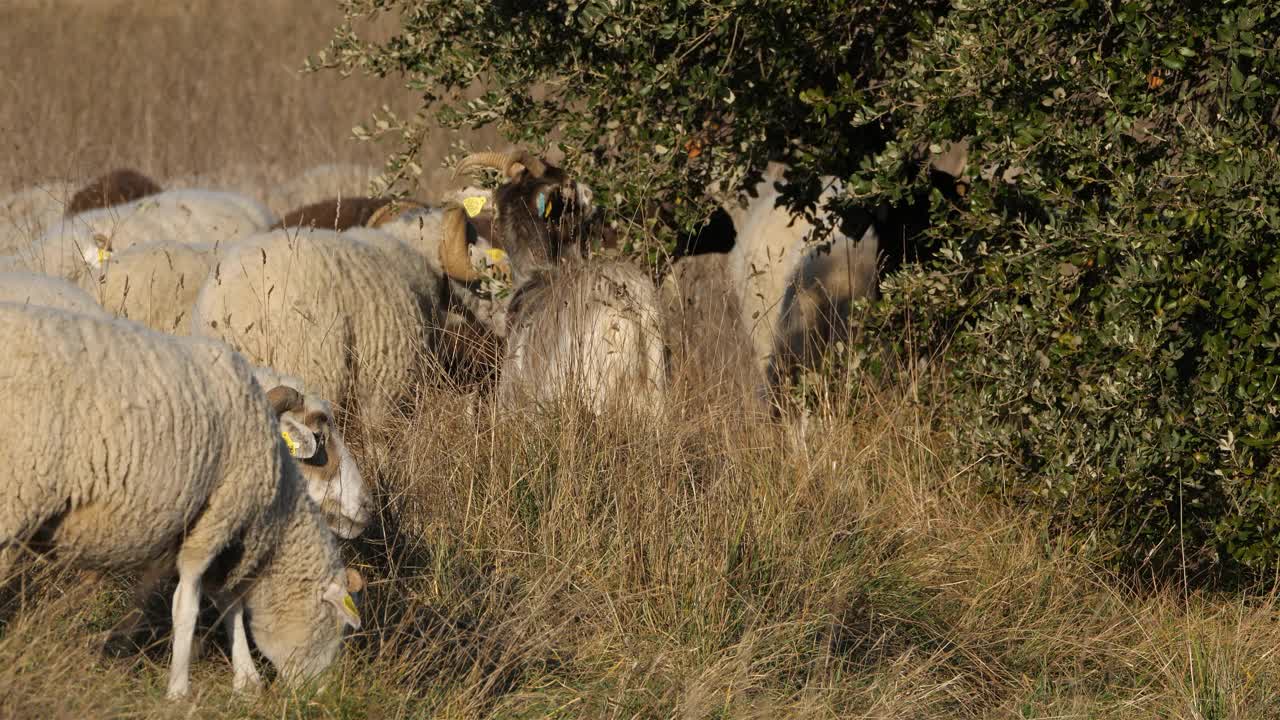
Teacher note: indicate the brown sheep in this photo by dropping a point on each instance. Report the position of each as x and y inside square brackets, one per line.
[115, 188]
[345, 213]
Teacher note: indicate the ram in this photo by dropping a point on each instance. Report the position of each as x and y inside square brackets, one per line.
[575, 328]
[194, 466]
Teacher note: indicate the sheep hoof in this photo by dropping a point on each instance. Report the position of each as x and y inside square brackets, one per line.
[247, 683]
[177, 690]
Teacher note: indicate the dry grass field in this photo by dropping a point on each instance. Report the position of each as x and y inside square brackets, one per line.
[708, 566]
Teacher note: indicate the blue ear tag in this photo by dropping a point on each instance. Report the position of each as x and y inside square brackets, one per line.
[542, 204]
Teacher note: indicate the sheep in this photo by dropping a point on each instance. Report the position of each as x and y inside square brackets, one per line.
[33, 289]
[350, 318]
[154, 284]
[572, 325]
[332, 478]
[193, 472]
[199, 217]
[343, 213]
[474, 321]
[115, 188]
[795, 300]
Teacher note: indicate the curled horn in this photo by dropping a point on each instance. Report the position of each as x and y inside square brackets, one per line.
[508, 163]
[529, 160]
[454, 258]
[283, 399]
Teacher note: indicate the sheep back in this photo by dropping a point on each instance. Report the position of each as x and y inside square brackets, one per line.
[325, 308]
[191, 453]
[154, 284]
[197, 217]
[589, 330]
[41, 290]
[114, 188]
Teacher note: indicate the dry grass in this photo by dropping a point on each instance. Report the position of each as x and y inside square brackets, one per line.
[708, 566]
[207, 91]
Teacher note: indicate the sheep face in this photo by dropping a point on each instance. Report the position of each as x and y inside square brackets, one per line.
[540, 215]
[333, 479]
[539, 219]
[306, 640]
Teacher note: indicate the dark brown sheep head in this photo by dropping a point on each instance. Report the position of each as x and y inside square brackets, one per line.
[540, 213]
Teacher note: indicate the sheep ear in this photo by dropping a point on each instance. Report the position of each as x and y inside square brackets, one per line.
[299, 438]
[341, 600]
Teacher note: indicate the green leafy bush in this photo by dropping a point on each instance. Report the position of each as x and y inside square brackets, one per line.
[1114, 272]
[1107, 286]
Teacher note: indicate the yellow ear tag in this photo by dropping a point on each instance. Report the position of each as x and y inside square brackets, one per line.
[496, 255]
[350, 606]
[473, 205]
[103, 254]
[288, 440]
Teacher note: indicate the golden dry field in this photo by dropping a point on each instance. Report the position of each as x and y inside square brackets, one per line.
[707, 566]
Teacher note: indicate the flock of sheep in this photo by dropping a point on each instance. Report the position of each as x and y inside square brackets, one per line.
[216, 342]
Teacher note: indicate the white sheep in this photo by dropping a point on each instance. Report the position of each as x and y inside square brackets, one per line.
[193, 467]
[41, 290]
[795, 298]
[197, 217]
[350, 318]
[154, 284]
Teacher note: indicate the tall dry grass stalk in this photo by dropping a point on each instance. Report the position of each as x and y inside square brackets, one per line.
[708, 564]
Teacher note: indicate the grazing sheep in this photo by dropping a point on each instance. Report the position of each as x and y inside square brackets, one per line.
[333, 483]
[795, 299]
[350, 318]
[41, 290]
[154, 284]
[574, 328]
[194, 217]
[469, 345]
[115, 188]
[193, 471]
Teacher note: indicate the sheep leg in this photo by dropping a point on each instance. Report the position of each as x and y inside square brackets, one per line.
[186, 606]
[246, 675]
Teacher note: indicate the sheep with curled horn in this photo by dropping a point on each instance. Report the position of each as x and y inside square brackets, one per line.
[575, 328]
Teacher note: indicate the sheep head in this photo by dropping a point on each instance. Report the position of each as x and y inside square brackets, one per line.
[540, 213]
